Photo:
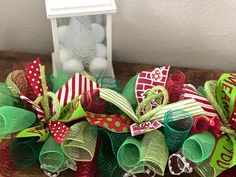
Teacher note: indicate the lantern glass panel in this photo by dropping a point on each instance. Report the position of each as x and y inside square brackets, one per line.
[82, 39]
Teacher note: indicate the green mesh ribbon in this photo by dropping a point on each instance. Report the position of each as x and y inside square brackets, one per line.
[80, 142]
[201, 91]
[109, 143]
[59, 80]
[151, 152]
[24, 152]
[205, 170]
[14, 119]
[129, 156]
[154, 152]
[6, 98]
[177, 125]
[129, 91]
[199, 147]
[51, 157]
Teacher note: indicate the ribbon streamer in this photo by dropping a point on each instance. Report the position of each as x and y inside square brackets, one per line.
[80, 142]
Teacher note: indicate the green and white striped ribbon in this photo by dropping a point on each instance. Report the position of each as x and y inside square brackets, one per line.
[189, 105]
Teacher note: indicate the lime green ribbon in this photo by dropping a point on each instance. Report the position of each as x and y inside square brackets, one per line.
[79, 144]
[223, 156]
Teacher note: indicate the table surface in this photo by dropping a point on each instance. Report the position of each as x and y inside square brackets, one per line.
[10, 61]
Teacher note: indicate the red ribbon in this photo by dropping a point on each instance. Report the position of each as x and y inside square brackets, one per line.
[87, 169]
[175, 85]
[7, 169]
[200, 124]
[32, 71]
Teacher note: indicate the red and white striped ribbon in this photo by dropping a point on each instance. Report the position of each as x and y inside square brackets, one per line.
[189, 93]
[77, 85]
[39, 111]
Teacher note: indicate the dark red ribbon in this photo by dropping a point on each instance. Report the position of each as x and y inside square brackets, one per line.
[175, 85]
[7, 168]
[87, 169]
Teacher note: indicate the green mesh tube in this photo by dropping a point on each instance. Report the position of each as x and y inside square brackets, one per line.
[24, 152]
[199, 147]
[177, 125]
[154, 152]
[51, 156]
[109, 144]
[14, 119]
[205, 170]
[80, 143]
[129, 156]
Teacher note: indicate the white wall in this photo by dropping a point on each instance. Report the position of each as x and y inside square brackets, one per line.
[196, 33]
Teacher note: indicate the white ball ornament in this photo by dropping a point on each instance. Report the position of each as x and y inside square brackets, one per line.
[65, 55]
[98, 32]
[73, 66]
[98, 65]
[101, 51]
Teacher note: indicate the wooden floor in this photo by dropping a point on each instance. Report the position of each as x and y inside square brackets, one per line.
[14, 60]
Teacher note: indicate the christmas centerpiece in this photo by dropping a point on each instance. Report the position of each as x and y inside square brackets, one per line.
[90, 125]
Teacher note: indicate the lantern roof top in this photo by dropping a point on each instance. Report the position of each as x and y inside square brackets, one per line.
[69, 8]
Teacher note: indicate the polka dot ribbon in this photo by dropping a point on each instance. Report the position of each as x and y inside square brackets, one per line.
[37, 82]
[116, 123]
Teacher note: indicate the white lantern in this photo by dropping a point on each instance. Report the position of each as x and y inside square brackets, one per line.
[82, 35]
